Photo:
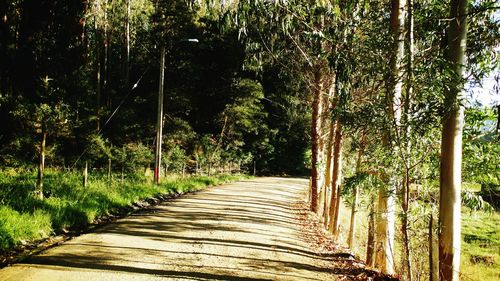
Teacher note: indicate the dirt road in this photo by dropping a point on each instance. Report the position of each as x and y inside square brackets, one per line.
[242, 231]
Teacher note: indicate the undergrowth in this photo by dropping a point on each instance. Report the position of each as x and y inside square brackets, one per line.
[68, 205]
[480, 255]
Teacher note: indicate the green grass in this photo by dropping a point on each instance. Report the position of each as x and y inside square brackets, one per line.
[480, 259]
[25, 218]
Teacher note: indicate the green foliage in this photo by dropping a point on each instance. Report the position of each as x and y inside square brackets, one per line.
[99, 149]
[133, 156]
[174, 158]
[475, 202]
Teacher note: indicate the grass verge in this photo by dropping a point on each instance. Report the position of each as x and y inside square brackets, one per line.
[68, 206]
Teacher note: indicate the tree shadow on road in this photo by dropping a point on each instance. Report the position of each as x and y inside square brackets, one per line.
[242, 211]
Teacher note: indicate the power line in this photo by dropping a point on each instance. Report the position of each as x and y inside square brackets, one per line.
[114, 112]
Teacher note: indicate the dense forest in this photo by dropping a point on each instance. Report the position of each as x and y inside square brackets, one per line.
[375, 101]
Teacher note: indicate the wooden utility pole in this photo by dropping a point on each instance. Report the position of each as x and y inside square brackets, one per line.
[159, 124]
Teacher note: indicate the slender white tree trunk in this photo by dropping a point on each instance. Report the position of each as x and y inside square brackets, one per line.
[433, 255]
[315, 139]
[451, 149]
[98, 73]
[336, 179]
[85, 174]
[405, 192]
[352, 226]
[41, 164]
[384, 257]
[127, 46]
[331, 124]
[370, 243]
[329, 172]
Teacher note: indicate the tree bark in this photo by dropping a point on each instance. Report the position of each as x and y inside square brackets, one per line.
[451, 149]
[98, 73]
[405, 192]
[352, 226]
[384, 256]
[404, 225]
[336, 179]
[329, 172]
[370, 244]
[159, 117]
[433, 268]
[315, 138]
[329, 151]
[85, 174]
[41, 164]
[127, 46]
[106, 56]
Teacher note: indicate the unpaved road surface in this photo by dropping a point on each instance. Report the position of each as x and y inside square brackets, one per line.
[247, 230]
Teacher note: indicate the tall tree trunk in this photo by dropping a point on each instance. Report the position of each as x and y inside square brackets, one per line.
[127, 46]
[329, 150]
[315, 138]
[106, 55]
[384, 257]
[370, 243]
[405, 192]
[325, 121]
[352, 226]
[329, 172]
[404, 224]
[41, 164]
[451, 149]
[336, 177]
[433, 268]
[98, 73]
[159, 121]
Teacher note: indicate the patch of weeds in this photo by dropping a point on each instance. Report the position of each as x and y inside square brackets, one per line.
[68, 205]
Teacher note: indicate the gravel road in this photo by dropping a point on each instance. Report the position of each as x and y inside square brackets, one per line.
[247, 230]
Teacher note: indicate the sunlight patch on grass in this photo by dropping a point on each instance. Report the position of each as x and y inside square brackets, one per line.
[68, 205]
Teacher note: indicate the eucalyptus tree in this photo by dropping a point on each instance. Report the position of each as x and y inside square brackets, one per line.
[275, 26]
[451, 148]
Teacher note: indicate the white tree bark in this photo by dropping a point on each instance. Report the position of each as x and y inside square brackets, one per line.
[451, 150]
[384, 257]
